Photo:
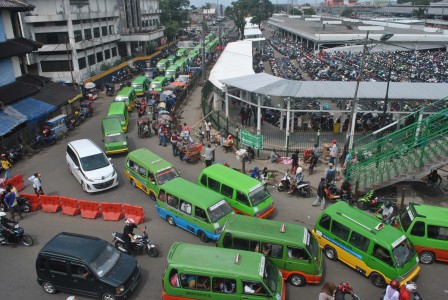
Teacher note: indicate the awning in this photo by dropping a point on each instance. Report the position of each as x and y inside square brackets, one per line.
[10, 119]
[57, 95]
[33, 109]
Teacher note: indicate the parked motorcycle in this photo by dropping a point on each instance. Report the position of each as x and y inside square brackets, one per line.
[140, 243]
[333, 194]
[303, 189]
[19, 237]
[370, 202]
[22, 202]
[285, 183]
[41, 141]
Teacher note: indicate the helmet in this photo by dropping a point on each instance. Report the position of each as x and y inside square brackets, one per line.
[395, 284]
[229, 137]
[330, 164]
[411, 287]
[299, 170]
[388, 204]
[344, 287]
[2, 214]
[334, 141]
[129, 221]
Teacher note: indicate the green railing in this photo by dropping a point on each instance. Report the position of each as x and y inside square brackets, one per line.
[421, 144]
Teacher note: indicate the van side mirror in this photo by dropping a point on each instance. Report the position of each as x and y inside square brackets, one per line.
[109, 159]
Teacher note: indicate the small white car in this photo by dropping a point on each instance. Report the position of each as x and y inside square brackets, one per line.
[90, 166]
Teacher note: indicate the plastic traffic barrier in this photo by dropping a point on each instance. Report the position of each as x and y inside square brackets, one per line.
[50, 204]
[34, 201]
[111, 211]
[69, 206]
[134, 212]
[89, 209]
[17, 182]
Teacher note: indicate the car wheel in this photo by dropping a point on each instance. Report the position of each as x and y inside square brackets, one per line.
[48, 287]
[362, 205]
[202, 236]
[426, 257]
[281, 188]
[83, 186]
[133, 183]
[107, 296]
[297, 280]
[377, 280]
[152, 196]
[330, 253]
[170, 221]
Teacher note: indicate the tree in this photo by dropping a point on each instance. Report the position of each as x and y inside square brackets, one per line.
[237, 13]
[192, 7]
[295, 12]
[173, 13]
[347, 12]
[206, 6]
[309, 11]
[419, 13]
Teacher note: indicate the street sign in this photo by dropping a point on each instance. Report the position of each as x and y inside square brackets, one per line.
[250, 139]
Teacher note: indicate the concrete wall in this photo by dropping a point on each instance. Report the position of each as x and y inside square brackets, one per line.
[8, 67]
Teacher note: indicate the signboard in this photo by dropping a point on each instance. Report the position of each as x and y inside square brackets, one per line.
[250, 139]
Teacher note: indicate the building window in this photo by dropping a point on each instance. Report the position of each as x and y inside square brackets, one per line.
[55, 66]
[114, 51]
[91, 59]
[143, 23]
[76, 22]
[78, 35]
[99, 57]
[52, 37]
[111, 30]
[104, 30]
[96, 32]
[82, 63]
[107, 54]
[87, 34]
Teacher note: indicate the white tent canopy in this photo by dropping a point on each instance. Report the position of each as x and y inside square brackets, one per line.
[235, 61]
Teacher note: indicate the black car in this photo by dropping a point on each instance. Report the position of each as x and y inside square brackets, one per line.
[86, 265]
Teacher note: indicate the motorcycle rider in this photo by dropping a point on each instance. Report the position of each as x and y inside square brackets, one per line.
[299, 177]
[387, 212]
[7, 229]
[343, 289]
[320, 200]
[392, 291]
[128, 233]
[346, 189]
[407, 289]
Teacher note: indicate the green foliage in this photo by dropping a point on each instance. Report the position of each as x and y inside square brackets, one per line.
[347, 12]
[192, 7]
[171, 29]
[295, 12]
[417, 2]
[419, 13]
[105, 67]
[173, 13]
[309, 11]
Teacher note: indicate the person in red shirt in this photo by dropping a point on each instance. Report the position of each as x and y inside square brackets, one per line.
[406, 290]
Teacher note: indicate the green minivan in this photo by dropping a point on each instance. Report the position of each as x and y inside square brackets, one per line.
[163, 64]
[157, 83]
[245, 194]
[193, 208]
[140, 85]
[147, 171]
[172, 71]
[291, 247]
[128, 96]
[120, 111]
[171, 59]
[115, 140]
[182, 63]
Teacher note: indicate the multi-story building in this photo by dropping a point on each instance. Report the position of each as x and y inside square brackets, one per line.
[83, 37]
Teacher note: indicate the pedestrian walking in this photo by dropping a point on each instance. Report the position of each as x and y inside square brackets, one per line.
[201, 135]
[6, 165]
[320, 200]
[208, 127]
[162, 139]
[330, 174]
[173, 140]
[243, 116]
[11, 202]
[208, 155]
[180, 149]
[333, 152]
[36, 179]
[248, 115]
[295, 161]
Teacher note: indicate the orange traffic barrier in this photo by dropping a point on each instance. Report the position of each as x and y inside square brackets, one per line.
[69, 206]
[111, 211]
[134, 212]
[50, 203]
[34, 201]
[89, 209]
[17, 182]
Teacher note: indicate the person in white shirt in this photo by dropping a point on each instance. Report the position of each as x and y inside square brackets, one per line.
[392, 291]
[387, 211]
[36, 179]
[208, 127]
[333, 153]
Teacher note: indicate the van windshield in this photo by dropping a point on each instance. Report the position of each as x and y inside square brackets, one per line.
[137, 86]
[105, 261]
[270, 276]
[114, 137]
[166, 175]
[403, 252]
[155, 85]
[94, 162]
[219, 210]
[170, 72]
[258, 195]
[406, 218]
[312, 245]
[119, 117]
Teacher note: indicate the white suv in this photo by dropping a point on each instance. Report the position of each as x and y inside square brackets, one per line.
[88, 163]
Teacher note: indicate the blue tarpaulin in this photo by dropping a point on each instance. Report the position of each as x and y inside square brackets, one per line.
[8, 123]
[33, 109]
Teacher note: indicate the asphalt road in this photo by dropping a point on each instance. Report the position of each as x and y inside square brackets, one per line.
[18, 276]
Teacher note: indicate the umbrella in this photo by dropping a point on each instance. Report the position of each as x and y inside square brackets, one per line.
[90, 85]
[167, 92]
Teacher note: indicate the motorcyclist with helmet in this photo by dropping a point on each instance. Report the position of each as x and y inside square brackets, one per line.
[128, 233]
[299, 177]
[343, 289]
[7, 229]
[392, 291]
[387, 212]
[407, 289]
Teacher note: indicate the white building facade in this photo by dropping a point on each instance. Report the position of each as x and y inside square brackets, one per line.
[83, 37]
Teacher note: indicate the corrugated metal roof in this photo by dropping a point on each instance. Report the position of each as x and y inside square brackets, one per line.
[266, 84]
[15, 5]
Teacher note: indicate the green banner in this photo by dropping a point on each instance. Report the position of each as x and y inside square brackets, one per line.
[250, 139]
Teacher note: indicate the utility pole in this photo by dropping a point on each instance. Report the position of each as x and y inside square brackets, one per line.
[70, 62]
[203, 48]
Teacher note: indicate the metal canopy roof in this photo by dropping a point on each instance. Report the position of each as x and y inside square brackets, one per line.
[266, 84]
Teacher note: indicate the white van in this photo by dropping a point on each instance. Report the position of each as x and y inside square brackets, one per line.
[90, 166]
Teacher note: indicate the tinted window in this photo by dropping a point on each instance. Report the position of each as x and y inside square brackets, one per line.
[340, 230]
[227, 191]
[214, 185]
[58, 266]
[241, 197]
[204, 180]
[325, 222]
[243, 244]
[224, 285]
[185, 207]
[256, 288]
[272, 250]
[80, 271]
[227, 241]
[161, 195]
[94, 162]
[437, 232]
[172, 201]
[142, 172]
[200, 214]
[382, 254]
[297, 253]
[418, 229]
[41, 263]
[196, 282]
[359, 241]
